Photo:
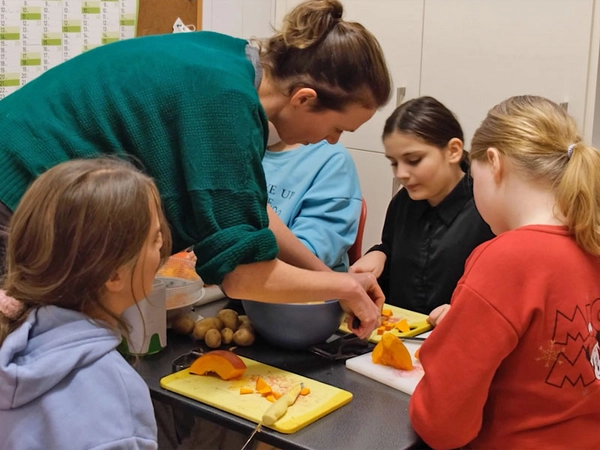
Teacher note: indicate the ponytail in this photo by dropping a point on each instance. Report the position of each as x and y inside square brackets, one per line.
[541, 140]
[578, 196]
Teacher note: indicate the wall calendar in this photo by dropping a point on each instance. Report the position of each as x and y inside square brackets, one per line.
[36, 35]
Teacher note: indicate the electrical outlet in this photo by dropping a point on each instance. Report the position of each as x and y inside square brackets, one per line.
[400, 94]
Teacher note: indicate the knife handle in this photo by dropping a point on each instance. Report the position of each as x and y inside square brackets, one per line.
[280, 406]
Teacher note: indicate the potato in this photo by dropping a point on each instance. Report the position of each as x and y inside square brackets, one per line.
[246, 326]
[184, 324]
[244, 320]
[213, 338]
[244, 337]
[204, 325]
[226, 335]
[229, 318]
[214, 321]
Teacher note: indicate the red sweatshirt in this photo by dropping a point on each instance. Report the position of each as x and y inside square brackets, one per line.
[515, 363]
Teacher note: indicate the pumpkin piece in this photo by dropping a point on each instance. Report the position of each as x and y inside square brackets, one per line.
[386, 312]
[277, 395]
[271, 398]
[246, 391]
[227, 365]
[261, 384]
[304, 391]
[377, 353]
[403, 326]
[380, 331]
[392, 352]
[265, 391]
[417, 353]
[388, 327]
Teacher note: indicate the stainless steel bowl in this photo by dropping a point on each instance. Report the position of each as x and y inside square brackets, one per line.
[294, 326]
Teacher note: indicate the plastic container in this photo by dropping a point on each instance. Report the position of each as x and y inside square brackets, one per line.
[148, 323]
[181, 295]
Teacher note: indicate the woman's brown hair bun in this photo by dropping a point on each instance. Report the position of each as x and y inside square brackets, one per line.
[311, 22]
[340, 60]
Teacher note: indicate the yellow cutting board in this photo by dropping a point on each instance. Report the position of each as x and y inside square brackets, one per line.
[416, 322]
[225, 395]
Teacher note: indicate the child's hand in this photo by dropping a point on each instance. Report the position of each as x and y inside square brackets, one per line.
[436, 316]
[372, 262]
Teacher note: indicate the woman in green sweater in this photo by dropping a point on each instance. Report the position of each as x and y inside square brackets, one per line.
[193, 110]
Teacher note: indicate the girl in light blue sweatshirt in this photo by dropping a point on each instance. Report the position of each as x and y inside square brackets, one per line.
[84, 244]
[314, 189]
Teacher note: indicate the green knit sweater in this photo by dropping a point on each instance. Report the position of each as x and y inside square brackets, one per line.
[186, 107]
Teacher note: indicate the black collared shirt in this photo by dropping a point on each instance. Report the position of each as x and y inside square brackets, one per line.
[427, 247]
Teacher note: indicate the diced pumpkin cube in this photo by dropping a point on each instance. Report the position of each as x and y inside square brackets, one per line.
[305, 391]
[246, 391]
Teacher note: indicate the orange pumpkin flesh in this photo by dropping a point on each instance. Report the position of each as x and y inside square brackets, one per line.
[227, 365]
[391, 351]
[403, 326]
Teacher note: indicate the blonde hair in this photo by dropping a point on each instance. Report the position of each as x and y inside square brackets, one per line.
[76, 224]
[340, 60]
[535, 134]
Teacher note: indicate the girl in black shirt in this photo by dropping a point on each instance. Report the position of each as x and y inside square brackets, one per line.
[432, 224]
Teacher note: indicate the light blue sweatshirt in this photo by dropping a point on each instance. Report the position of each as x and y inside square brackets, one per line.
[64, 386]
[315, 191]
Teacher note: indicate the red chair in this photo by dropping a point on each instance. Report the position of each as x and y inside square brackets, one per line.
[355, 252]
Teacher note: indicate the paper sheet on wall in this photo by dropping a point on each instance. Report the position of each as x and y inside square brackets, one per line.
[36, 35]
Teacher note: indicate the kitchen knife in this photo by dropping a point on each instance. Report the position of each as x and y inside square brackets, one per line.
[280, 406]
[277, 410]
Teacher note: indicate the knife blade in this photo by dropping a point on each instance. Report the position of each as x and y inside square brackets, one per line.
[256, 430]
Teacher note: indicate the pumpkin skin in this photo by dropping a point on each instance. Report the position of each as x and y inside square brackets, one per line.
[227, 365]
[391, 351]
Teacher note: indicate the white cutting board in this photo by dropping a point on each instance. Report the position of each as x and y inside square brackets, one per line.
[403, 380]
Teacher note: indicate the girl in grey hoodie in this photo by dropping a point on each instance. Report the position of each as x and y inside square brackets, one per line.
[84, 244]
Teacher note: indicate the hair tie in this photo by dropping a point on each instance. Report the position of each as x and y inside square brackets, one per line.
[570, 150]
[337, 13]
[9, 306]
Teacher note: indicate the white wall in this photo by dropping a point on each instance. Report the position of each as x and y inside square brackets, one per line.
[241, 18]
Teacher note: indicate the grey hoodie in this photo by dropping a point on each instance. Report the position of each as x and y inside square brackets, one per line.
[64, 386]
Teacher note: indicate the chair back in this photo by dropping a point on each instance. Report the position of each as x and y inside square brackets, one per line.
[355, 252]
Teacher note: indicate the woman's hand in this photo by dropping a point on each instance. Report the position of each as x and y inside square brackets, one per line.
[372, 262]
[364, 302]
[436, 316]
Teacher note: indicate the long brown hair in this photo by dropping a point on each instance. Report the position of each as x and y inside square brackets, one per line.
[76, 224]
[340, 60]
[542, 142]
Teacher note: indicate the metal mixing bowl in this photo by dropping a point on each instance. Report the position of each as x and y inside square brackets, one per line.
[294, 326]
